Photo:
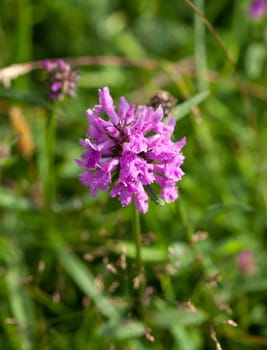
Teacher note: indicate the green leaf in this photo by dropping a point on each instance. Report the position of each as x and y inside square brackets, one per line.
[7, 251]
[74, 204]
[149, 254]
[108, 76]
[185, 338]
[25, 97]
[253, 285]
[20, 303]
[7, 161]
[85, 280]
[168, 316]
[254, 59]
[123, 330]
[153, 196]
[10, 200]
[232, 246]
[184, 108]
[182, 254]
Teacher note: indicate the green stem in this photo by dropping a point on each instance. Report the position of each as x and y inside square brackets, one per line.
[137, 239]
[200, 48]
[49, 181]
[139, 268]
[23, 37]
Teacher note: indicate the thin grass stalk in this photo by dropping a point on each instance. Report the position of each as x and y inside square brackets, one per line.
[139, 267]
[200, 48]
[49, 181]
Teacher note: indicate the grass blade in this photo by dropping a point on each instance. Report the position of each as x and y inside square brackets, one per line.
[85, 280]
[184, 108]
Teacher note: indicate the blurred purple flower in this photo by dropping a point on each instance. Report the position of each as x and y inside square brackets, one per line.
[258, 8]
[246, 262]
[131, 148]
[61, 79]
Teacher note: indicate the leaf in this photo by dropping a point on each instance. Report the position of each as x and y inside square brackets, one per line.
[74, 204]
[108, 76]
[7, 161]
[152, 195]
[149, 254]
[256, 284]
[7, 251]
[232, 246]
[168, 316]
[123, 330]
[219, 208]
[85, 280]
[254, 59]
[181, 254]
[26, 97]
[20, 303]
[9, 200]
[185, 338]
[184, 108]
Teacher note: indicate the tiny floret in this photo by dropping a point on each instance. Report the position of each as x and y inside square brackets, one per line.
[61, 79]
[129, 150]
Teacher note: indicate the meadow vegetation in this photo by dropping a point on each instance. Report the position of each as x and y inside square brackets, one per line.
[69, 274]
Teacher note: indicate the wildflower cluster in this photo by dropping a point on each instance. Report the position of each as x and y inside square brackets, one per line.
[61, 79]
[131, 148]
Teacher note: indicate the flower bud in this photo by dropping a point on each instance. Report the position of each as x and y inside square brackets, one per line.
[61, 79]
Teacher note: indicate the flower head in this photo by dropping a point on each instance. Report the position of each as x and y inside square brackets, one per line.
[258, 8]
[132, 149]
[61, 79]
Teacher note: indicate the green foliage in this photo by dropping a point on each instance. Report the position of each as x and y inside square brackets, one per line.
[67, 260]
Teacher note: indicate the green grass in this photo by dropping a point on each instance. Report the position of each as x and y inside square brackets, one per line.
[67, 268]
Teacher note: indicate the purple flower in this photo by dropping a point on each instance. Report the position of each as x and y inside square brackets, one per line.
[246, 262]
[258, 8]
[61, 79]
[130, 149]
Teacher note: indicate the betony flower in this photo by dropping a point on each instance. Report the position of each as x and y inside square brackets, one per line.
[129, 150]
[61, 79]
[258, 8]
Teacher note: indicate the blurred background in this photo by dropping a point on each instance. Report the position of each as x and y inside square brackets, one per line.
[66, 278]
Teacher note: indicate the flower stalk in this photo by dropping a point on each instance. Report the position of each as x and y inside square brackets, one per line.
[49, 180]
[139, 275]
[61, 81]
[137, 241]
